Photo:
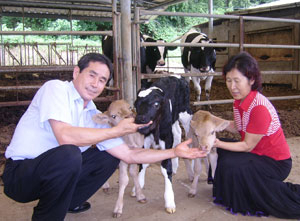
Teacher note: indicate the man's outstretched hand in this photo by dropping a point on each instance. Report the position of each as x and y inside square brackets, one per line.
[184, 151]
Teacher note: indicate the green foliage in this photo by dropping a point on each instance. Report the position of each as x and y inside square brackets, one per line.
[169, 27]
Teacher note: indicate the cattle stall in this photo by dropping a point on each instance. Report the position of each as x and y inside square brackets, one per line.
[275, 68]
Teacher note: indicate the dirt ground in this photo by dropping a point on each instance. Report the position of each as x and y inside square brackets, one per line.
[199, 208]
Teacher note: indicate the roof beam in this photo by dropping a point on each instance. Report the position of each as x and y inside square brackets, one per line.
[54, 5]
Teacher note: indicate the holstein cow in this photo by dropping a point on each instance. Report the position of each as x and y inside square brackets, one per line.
[117, 111]
[203, 128]
[107, 50]
[198, 60]
[155, 55]
[151, 56]
[165, 103]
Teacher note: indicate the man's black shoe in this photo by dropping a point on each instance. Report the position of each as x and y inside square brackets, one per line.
[85, 206]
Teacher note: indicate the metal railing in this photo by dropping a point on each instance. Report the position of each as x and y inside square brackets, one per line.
[241, 45]
[42, 54]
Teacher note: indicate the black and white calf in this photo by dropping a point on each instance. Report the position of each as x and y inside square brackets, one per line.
[165, 103]
[198, 60]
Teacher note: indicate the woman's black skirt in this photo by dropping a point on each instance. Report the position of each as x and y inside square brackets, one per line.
[253, 185]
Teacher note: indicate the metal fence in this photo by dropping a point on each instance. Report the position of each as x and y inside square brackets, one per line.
[239, 45]
[42, 54]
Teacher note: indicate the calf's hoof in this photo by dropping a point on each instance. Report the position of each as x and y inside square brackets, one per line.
[170, 210]
[191, 195]
[116, 215]
[142, 201]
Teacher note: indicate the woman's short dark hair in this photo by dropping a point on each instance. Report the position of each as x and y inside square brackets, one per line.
[248, 66]
[95, 57]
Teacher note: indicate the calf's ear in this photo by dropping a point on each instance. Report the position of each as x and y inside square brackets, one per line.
[101, 118]
[220, 123]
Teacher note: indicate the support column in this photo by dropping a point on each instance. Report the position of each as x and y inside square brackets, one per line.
[126, 50]
[211, 20]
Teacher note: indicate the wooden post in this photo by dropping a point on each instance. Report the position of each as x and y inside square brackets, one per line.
[127, 52]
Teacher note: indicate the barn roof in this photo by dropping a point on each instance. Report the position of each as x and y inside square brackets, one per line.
[100, 10]
[268, 7]
[277, 9]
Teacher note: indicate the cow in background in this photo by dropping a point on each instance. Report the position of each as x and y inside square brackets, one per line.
[198, 60]
[151, 56]
[165, 103]
[155, 55]
[117, 111]
[107, 50]
[203, 128]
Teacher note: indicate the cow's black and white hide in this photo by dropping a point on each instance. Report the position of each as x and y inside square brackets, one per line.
[155, 55]
[165, 103]
[107, 50]
[198, 60]
[107, 46]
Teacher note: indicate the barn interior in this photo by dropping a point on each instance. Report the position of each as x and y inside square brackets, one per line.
[21, 79]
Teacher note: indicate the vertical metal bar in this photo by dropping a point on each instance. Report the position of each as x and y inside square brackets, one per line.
[115, 48]
[24, 41]
[23, 21]
[21, 57]
[71, 26]
[211, 19]
[242, 35]
[32, 51]
[50, 53]
[67, 51]
[138, 50]
[120, 61]
[2, 46]
[126, 46]
[134, 56]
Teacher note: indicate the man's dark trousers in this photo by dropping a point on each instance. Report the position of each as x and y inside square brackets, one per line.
[60, 178]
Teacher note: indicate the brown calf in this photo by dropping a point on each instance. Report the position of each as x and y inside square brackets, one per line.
[117, 111]
[203, 128]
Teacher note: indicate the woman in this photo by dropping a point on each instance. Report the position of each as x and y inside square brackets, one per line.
[250, 173]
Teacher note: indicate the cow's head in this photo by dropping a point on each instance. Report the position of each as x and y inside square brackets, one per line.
[117, 111]
[203, 128]
[150, 105]
[158, 53]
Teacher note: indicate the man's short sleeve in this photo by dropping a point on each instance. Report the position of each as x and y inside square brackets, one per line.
[259, 121]
[53, 103]
[110, 143]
